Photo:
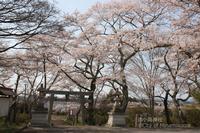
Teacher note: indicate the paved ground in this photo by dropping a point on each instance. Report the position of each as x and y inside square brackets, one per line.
[94, 129]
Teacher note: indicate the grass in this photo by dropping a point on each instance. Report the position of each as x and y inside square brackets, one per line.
[9, 128]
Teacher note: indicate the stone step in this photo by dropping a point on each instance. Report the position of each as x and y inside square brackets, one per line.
[40, 125]
[40, 119]
[116, 120]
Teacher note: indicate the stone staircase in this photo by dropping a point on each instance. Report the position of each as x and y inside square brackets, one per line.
[40, 119]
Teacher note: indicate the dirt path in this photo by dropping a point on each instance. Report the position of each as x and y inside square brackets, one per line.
[94, 129]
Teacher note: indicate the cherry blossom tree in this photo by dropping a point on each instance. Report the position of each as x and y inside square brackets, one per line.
[22, 19]
[129, 28]
[118, 44]
[83, 63]
[183, 31]
[144, 77]
[179, 89]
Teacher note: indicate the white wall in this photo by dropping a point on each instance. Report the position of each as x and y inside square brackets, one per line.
[4, 106]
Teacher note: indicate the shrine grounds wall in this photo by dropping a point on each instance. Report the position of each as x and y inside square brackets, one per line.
[191, 114]
[4, 102]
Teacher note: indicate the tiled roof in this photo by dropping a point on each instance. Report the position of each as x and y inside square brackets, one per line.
[6, 91]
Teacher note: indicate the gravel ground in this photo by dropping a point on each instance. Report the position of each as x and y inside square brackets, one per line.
[94, 129]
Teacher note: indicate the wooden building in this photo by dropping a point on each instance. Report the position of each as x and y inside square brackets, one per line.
[6, 97]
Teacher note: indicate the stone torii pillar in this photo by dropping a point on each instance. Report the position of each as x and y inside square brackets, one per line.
[82, 109]
[50, 108]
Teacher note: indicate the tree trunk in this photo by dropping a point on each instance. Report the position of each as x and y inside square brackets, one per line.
[15, 100]
[178, 110]
[152, 105]
[124, 91]
[125, 99]
[91, 120]
[44, 72]
[166, 109]
[29, 104]
[91, 110]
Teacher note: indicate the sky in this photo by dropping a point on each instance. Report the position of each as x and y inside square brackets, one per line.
[68, 6]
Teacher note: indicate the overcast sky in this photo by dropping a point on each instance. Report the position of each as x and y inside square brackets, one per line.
[72, 5]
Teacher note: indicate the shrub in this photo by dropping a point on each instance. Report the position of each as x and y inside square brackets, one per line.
[69, 121]
[196, 95]
[2, 121]
[6, 127]
[22, 118]
[101, 116]
[174, 117]
[131, 114]
[193, 117]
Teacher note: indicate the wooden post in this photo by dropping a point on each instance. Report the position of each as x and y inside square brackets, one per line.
[136, 121]
[50, 108]
[140, 121]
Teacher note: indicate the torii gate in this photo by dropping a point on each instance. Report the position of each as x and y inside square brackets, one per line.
[82, 100]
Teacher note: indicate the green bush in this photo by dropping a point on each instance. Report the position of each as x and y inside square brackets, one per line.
[2, 122]
[70, 121]
[22, 118]
[6, 127]
[196, 95]
[131, 114]
[101, 116]
[193, 117]
[174, 117]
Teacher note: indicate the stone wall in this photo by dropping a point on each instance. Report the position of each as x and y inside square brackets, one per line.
[116, 120]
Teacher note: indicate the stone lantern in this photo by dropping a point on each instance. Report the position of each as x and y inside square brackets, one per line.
[39, 113]
[41, 90]
[116, 117]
